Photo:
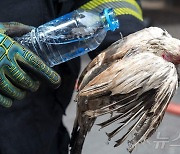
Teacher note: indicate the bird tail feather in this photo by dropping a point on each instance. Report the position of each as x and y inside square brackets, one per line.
[79, 134]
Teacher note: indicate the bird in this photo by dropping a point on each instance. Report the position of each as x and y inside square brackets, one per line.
[133, 81]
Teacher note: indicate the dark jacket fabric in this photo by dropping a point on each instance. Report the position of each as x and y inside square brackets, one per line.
[34, 125]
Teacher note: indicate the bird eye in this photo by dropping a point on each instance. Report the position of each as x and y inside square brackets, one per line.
[164, 33]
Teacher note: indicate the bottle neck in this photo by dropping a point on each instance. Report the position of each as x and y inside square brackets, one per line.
[109, 19]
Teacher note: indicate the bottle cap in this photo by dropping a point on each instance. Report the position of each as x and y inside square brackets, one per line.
[112, 22]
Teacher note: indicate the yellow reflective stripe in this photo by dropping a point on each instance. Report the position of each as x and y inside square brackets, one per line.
[123, 11]
[95, 3]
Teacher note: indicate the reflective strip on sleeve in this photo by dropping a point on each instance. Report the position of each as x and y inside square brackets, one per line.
[121, 7]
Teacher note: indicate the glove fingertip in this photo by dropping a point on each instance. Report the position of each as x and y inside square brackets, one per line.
[9, 104]
[35, 86]
[56, 79]
[5, 102]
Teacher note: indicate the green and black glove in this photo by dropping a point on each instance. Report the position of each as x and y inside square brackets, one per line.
[14, 80]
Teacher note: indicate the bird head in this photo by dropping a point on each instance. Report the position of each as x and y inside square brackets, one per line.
[158, 41]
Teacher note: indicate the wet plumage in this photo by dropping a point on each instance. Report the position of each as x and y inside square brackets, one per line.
[134, 80]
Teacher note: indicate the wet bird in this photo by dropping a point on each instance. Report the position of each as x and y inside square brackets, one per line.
[133, 80]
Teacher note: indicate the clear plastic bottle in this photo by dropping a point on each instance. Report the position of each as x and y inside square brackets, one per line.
[69, 36]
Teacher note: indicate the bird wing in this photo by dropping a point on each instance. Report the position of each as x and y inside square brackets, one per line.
[130, 44]
[138, 89]
[101, 62]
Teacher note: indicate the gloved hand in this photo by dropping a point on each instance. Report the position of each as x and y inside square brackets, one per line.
[14, 81]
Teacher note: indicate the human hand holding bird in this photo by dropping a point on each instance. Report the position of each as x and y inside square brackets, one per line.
[134, 80]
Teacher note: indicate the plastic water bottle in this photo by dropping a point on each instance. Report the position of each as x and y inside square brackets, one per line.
[69, 36]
